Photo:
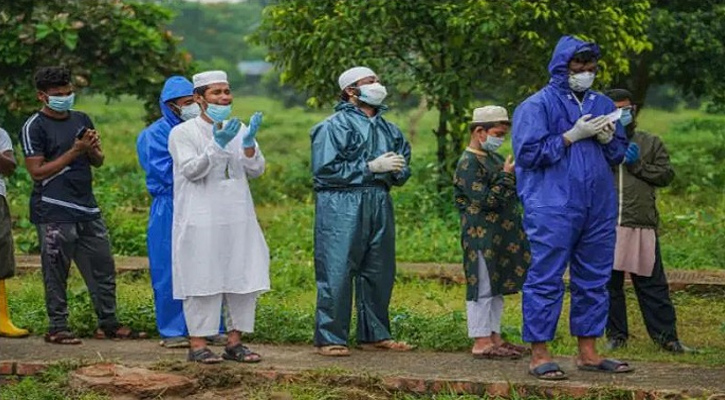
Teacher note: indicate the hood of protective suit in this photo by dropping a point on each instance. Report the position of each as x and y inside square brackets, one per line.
[175, 87]
[564, 51]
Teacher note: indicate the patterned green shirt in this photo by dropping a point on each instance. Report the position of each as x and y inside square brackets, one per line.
[490, 213]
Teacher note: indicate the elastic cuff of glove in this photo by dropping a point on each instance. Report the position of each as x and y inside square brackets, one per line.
[569, 136]
[249, 145]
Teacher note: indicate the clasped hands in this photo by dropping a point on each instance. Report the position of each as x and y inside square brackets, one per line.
[388, 162]
[587, 127]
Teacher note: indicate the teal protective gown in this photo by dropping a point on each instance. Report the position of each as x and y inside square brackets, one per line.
[354, 224]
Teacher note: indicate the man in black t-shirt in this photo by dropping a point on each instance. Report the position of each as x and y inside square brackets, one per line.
[60, 146]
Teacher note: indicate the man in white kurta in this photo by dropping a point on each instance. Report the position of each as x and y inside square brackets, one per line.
[219, 255]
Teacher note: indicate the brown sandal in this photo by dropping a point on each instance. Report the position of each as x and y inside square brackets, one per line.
[62, 337]
[121, 333]
[334, 350]
[386, 345]
[497, 353]
[523, 350]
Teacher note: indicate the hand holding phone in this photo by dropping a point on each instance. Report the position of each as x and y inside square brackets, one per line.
[81, 132]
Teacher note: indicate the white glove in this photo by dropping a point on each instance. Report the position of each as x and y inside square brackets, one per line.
[607, 133]
[586, 127]
[388, 162]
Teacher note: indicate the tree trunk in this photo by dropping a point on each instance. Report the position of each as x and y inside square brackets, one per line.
[638, 81]
[441, 134]
[416, 116]
[641, 79]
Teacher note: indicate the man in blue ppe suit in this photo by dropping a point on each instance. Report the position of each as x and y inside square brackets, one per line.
[357, 156]
[565, 146]
[177, 105]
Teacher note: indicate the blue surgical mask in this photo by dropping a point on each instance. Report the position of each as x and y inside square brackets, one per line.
[61, 103]
[492, 143]
[626, 117]
[189, 112]
[218, 112]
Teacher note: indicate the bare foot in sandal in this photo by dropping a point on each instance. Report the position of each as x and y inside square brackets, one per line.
[494, 352]
[120, 333]
[241, 353]
[387, 345]
[334, 350]
[62, 337]
[542, 365]
[203, 356]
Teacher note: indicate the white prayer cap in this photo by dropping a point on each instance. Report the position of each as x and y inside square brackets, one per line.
[353, 75]
[490, 114]
[209, 77]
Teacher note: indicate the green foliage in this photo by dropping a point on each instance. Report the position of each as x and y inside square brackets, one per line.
[445, 50]
[688, 51]
[700, 164]
[427, 224]
[426, 313]
[217, 30]
[111, 47]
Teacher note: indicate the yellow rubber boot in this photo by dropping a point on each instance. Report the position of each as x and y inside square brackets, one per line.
[7, 328]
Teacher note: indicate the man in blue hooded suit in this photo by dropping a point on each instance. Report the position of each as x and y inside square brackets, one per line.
[177, 105]
[565, 146]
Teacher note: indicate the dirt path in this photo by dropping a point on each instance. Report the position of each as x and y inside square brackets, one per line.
[426, 368]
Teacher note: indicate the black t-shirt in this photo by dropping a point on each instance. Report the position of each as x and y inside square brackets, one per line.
[68, 195]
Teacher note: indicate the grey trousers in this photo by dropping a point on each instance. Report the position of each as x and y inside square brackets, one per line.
[87, 244]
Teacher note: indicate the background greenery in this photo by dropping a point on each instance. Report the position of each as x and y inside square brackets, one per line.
[427, 313]
[692, 209]
[123, 50]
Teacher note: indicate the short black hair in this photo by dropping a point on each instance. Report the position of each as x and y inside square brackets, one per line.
[201, 90]
[486, 125]
[52, 77]
[619, 95]
[584, 57]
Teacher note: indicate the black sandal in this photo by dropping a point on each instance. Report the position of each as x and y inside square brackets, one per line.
[241, 353]
[203, 356]
[550, 371]
[62, 337]
[608, 365]
[120, 333]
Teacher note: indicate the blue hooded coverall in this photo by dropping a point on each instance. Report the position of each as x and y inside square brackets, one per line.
[570, 204]
[354, 224]
[154, 157]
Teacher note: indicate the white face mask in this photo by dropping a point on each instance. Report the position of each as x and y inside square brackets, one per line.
[190, 112]
[492, 143]
[581, 81]
[373, 94]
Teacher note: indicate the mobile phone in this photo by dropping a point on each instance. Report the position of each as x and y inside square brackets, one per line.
[81, 132]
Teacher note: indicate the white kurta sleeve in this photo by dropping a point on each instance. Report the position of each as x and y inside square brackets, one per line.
[253, 166]
[192, 164]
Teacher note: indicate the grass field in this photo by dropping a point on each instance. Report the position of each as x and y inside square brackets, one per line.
[692, 210]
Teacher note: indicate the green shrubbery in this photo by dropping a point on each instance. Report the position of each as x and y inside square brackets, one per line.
[692, 208]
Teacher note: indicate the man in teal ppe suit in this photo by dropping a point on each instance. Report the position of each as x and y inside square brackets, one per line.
[357, 156]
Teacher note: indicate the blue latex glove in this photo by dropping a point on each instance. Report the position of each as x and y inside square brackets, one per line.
[632, 153]
[225, 135]
[249, 137]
